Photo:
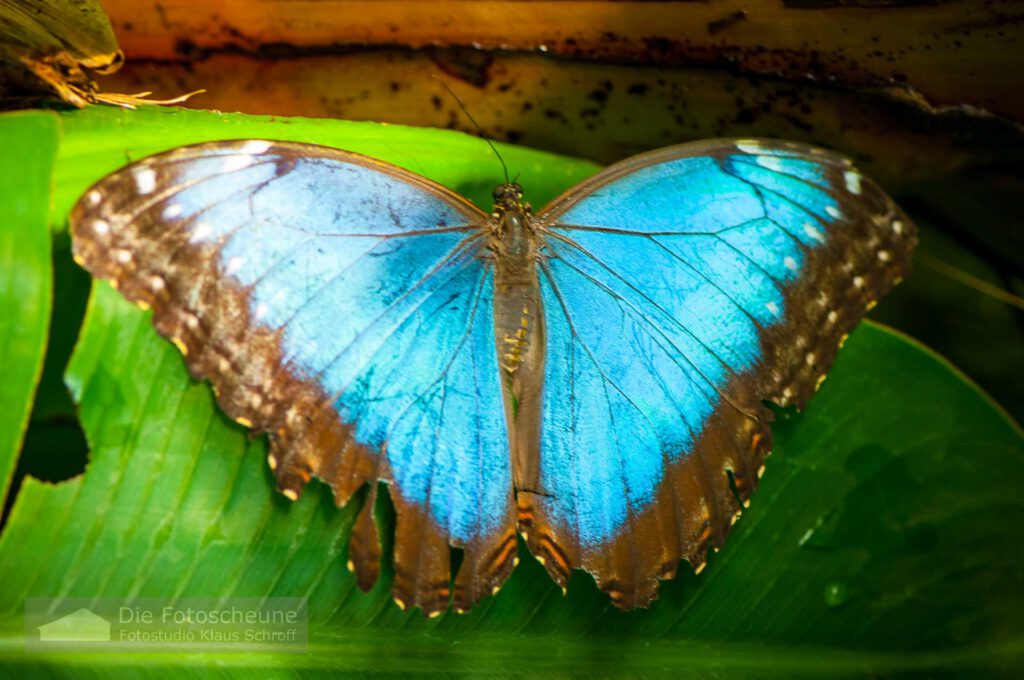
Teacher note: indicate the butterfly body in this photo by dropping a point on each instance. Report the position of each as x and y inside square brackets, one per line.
[592, 376]
[515, 245]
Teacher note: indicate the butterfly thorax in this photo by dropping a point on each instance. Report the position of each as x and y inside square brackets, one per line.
[514, 243]
[512, 238]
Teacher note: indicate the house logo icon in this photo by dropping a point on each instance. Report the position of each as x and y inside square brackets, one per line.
[79, 626]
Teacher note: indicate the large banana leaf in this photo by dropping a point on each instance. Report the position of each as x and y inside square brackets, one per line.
[884, 539]
[25, 278]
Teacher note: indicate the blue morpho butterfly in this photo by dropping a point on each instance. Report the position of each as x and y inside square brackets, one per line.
[591, 376]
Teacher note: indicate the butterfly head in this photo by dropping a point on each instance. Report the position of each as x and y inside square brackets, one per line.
[509, 198]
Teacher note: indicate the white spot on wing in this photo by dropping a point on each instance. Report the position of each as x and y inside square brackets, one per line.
[100, 227]
[94, 197]
[790, 263]
[202, 231]
[773, 308]
[852, 178]
[237, 162]
[145, 180]
[123, 256]
[261, 310]
[897, 226]
[814, 232]
[883, 255]
[833, 211]
[234, 264]
[858, 282]
[770, 163]
[172, 211]
[255, 146]
[748, 146]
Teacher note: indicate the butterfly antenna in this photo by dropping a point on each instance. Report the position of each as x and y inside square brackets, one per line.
[477, 126]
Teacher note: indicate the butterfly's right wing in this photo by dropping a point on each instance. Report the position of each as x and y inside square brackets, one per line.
[681, 289]
[340, 305]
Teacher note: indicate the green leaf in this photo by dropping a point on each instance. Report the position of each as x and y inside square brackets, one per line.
[971, 245]
[99, 140]
[884, 538]
[29, 142]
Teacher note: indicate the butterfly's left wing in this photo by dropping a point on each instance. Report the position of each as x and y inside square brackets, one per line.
[681, 288]
[341, 305]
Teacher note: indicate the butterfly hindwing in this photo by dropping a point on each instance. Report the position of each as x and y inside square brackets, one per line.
[682, 288]
[341, 305]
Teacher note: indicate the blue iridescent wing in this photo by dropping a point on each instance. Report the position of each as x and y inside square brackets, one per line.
[681, 288]
[341, 305]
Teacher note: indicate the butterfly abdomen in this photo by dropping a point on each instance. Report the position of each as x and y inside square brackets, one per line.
[518, 329]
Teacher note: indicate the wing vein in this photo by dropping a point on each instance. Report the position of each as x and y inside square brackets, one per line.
[455, 252]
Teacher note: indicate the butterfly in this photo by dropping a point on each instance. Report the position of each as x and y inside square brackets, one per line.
[592, 376]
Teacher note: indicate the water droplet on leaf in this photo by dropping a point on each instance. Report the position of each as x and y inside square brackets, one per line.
[836, 593]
